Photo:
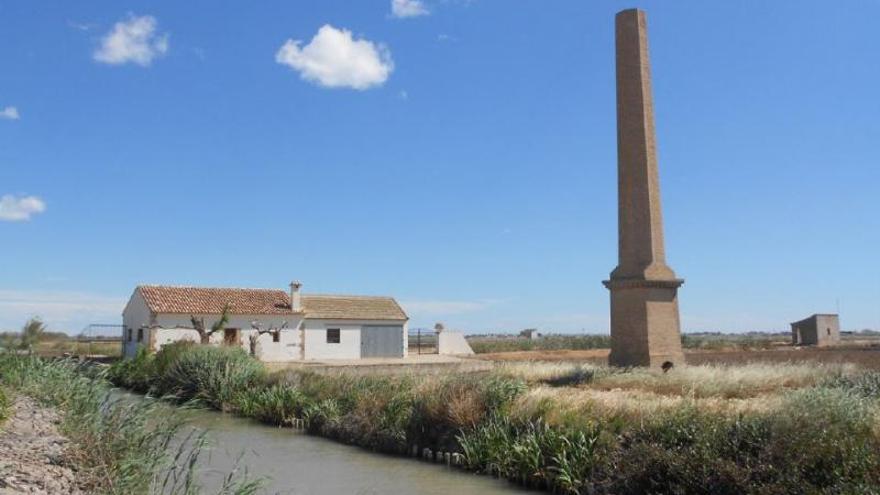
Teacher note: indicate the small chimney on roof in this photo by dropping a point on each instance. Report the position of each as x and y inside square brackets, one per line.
[295, 299]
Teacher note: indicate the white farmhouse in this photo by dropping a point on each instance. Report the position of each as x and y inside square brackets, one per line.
[295, 326]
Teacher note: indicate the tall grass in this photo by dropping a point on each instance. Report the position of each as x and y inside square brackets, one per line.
[4, 406]
[716, 380]
[575, 429]
[118, 445]
[483, 345]
[211, 374]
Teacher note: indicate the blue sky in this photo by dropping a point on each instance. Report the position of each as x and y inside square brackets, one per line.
[461, 158]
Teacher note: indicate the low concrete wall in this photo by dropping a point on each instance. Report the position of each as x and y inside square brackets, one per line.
[453, 344]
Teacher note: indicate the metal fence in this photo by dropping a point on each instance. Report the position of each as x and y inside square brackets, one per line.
[99, 339]
[422, 341]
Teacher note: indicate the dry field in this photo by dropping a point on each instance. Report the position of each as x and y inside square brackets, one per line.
[867, 356]
[57, 348]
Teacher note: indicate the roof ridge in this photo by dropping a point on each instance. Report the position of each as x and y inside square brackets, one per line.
[306, 294]
[168, 286]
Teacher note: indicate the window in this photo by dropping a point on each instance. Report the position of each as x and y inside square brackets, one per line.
[129, 334]
[332, 335]
[828, 330]
[140, 334]
[276, 336]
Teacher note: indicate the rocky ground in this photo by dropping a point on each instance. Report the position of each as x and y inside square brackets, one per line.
[32, 452]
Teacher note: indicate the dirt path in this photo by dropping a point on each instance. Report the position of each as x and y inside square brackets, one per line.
[32, 452]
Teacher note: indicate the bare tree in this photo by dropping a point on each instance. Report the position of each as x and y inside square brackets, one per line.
[275, 332]
[204, 333]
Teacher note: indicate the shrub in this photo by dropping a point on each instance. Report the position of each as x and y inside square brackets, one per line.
[136, 373]
[4, 405]
[865, 384]
[323, 416]
[827, 438]
[277, 404]
[533, 453]
[823, 437]
[213, 375]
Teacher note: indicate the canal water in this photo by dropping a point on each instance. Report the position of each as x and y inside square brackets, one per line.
[298, 464]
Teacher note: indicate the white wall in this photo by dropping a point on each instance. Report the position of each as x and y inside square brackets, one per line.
[349, 346]
[453, 343]
[135, 315]
[175, 327]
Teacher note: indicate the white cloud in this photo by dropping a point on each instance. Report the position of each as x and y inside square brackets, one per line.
[134, 40]
[334, 59]
[62, 311]
[9, 113]
[408, 8]
[20, 209]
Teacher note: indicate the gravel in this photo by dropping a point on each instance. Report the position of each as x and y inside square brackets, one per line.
[32, 452]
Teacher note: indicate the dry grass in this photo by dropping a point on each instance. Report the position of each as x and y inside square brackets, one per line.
[55, 348]
[597, 356]
[567, 405]
[864, 353]
[706, 381]
[539, 371]
[744, 381]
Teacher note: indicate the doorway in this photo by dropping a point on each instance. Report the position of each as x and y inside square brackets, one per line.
[231, 336]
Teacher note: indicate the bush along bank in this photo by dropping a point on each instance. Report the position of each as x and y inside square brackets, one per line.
[117, 445]
[823, 438]
[4, 405]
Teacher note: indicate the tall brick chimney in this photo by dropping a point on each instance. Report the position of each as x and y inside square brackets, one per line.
[645, 329]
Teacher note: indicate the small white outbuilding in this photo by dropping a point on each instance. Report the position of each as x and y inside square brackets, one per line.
[275, 325]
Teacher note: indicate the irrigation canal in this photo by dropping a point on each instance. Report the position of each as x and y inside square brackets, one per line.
[298, 464]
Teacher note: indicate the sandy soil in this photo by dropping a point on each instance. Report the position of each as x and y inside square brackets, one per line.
[32, 452]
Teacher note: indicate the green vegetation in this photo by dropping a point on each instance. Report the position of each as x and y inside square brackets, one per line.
[4, 405]
[571, 428]
[119, 445]
[706, 341]
[716, 341]
[487, 344]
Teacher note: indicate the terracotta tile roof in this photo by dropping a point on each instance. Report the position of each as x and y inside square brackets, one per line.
[211, 300]
[352, 308]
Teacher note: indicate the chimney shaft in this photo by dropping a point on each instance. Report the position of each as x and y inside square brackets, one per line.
[295, 299]
[645, 328]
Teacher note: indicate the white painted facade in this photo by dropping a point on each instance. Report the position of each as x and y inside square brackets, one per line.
[299, 339]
